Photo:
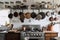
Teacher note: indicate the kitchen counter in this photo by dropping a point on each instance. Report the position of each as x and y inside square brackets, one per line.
[15, 35]
[49, 32]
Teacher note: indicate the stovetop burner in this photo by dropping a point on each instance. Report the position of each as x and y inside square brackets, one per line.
[32, 34]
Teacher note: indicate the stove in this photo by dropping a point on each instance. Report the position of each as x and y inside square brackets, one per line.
[32, 36]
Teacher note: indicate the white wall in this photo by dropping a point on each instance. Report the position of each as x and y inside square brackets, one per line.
[4, 16]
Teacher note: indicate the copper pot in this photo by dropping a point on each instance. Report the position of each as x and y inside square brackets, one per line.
[27, 15]
[50, 26]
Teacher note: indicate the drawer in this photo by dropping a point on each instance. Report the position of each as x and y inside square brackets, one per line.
[2, 38]
[1, 35]
[47, 35]
[54, 35]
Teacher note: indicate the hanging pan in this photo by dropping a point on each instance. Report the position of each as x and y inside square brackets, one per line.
[10, 16]
[42, 14]
[38, 17]
[27, 15]
[33, 14]
[15, 14]
[51, 19]
[21, 14]
[59, 13]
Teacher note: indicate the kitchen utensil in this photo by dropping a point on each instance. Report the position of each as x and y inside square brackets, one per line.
[6, 2]
[22, 17]
[59, 13]
[1, 2]
[15, 14]
[38, 17]
[11, 2]
[28, 15]
[18, 6]
[33, 14]
[33, 6]
[42, 14]
[55, 18]
[50, 26]
[18, 1]
[10, 16]
[51, 19]
[43, 3]
[21, 14]
[52, 13]
[47, 13]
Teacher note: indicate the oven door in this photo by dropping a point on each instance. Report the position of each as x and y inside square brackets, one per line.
[34, 38]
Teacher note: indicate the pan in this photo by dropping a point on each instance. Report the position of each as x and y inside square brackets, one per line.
[51, 19]
[38, 17]
[33, 14]
[22, 17]
[15, 14]
[42, 14]
[21, 14]
[59, 13]
[47, 13]
[10, 16]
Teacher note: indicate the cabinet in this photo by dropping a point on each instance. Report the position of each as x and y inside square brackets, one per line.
[12, 36]
[49, 35]
[2, 36]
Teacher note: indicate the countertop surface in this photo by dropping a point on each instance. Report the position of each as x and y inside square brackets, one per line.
[49, 32]
[15, 31]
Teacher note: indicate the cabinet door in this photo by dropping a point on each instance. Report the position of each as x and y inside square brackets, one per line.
[2, 36]
[13, 36]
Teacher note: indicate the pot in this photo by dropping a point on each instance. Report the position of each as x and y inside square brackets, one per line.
[10, 15]
[28, 15]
